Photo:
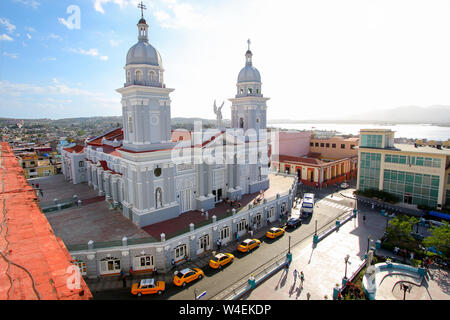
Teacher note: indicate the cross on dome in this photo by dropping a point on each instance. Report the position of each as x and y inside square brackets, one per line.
[142, 7]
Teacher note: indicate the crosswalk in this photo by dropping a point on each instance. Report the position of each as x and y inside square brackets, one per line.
[334, 205]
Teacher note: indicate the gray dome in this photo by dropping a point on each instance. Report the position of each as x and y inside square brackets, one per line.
[249, 74]
[144, 53]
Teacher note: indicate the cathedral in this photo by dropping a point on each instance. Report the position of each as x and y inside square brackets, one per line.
[153, 173]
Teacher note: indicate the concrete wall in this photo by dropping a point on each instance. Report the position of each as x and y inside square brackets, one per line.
[291, 143]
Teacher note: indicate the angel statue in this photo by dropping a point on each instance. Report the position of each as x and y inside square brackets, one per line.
[218, 112]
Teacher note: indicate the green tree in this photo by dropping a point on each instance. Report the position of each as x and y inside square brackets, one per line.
[399, 230]
[439, 239]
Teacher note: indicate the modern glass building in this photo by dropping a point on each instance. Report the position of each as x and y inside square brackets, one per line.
[418, 175]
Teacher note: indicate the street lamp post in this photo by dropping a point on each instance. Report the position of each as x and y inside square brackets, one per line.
[405, 288]
[346, 261]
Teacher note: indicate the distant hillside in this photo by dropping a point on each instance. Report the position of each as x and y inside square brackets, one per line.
[177, 122]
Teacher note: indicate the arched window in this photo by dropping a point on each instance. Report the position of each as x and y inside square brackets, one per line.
[257, 90]
[241, 123]
[242, 91]
[128, 76]
[138, 75]
[250, 90]
[152, 76]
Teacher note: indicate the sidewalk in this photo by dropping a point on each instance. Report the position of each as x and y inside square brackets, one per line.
[323, 266]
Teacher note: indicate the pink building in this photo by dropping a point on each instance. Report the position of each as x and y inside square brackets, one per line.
[291, 143]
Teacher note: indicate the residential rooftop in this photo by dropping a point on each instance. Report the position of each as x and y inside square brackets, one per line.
[402, 147]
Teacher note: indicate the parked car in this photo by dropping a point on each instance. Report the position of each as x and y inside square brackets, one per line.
[344, 185]
[181, 278]
[248, 244]
[294, 222]
[148, 286]
[220, 260]
[273, 233]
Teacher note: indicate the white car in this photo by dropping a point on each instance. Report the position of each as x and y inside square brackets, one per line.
[344, 185]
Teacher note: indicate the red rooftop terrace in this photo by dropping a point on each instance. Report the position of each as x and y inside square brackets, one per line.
[33, 261]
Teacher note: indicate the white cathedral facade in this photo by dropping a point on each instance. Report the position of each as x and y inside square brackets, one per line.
[154, 177]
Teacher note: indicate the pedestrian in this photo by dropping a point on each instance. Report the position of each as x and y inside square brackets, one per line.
[173, 263]
[237, 236]
[411, 255]
[364, 218]
[32, 185]
[155, 271]
[121, 275]
[124, 281]
[295, 274]
[219, 243]
[302, 276]
[37, 185]
[308, 296]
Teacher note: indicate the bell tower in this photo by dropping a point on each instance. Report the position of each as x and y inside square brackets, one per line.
[248, 109]
[145, 98]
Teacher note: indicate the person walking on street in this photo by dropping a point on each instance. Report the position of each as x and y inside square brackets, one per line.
[308, 296]
[219, 244]
[302, 277]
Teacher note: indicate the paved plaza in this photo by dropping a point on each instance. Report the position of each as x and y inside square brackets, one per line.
[94, 220]
[57, 187]
[324, 266]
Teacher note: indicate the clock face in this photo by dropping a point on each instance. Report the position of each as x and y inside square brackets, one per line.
[157, 172]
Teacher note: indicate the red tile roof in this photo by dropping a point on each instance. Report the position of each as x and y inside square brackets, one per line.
[33, 260]
[76, 149]
[292, 159]
[111, 135]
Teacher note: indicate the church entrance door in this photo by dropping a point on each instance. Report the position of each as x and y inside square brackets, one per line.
[186, 200]
[217, 195]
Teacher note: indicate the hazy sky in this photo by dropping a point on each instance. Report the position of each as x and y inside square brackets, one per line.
[317, 58]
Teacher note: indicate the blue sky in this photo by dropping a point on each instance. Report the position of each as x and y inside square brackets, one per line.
[317, 59]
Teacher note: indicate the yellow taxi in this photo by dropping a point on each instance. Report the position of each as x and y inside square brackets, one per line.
[273, 233]
[148, 286]
[181, 278]
[220, 260]
[248, 244]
